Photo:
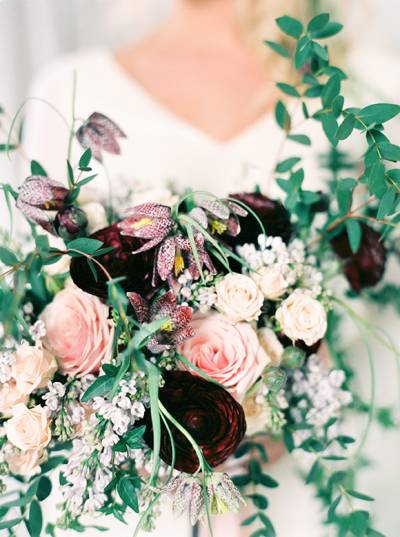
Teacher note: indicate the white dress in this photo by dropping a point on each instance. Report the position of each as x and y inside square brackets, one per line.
[161, 147]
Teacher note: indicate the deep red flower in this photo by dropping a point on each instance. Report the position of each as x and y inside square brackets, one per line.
[273, 215]
[364, 268]
[137, 269]
[208, 412]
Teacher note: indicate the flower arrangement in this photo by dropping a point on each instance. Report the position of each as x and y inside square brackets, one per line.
[156, 345]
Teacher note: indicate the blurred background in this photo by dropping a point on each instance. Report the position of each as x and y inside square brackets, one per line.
[36, 32]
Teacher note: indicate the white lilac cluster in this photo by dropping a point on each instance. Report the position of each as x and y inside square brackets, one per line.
[37, 331]
[320, 396]
[202, 295]
[265, 411]
[88, 470]
[7, 360]
[291, 261]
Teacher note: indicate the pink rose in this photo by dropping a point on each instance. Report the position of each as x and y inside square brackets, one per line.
[230, 354]
[78, 331]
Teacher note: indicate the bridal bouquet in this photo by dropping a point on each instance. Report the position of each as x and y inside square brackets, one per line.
[156, 351]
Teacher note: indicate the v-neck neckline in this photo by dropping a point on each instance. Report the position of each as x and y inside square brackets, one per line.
[178, 119]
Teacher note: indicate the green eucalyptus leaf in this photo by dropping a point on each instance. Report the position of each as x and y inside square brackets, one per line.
[282, 116]
[35, 520]
[127, 492]
[279, 49]
[85, 159]
[330, 91]
[390, 151]
[84, 245]
[379, 113]
[320, 51]
[346, 127]
[300, 139]
[359, 522]
[37, 169]
[360, 496]
[332, 28]
[354, 233]
[303, 52]
[386, 205]
[7, 257]
[8, 524]
[288, 89]
[44, 488]
[318, 22]
[287, 164]
[290, 26]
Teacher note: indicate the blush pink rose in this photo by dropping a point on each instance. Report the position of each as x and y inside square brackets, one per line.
[78, 331]
[230, 354]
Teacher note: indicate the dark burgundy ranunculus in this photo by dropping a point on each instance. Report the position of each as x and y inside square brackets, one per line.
[273, 215]
[365, 268]
[136, 268]
[207, 411]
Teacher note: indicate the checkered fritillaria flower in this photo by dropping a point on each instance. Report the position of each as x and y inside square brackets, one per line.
[39, 197]
[100, 133]
[221, 216]
[176, 327]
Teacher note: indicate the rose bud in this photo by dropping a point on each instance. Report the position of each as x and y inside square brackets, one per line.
[364, 268]
[208, 413]
[136, 268]
[273, 215]
[38, 197]
[70, 223]
[99, 133]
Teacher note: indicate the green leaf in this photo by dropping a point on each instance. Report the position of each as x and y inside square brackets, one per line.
[344, 194]
[332, 28]
[390, 151]
[279, 49]
[330, 126]
[127, 492]
[303, 52]
[379, 113]
[346, 127]
[37, 169]
[8, 257]
[360, 496]
[259, 500]
[85, 245]
[330, 91]
[268, 481]
[314, 91]
[249, 520]
[288, 89]
[44, 488]
[7, 524]
[312, 473]
[241, 480]
[320, 51]
[85, 159]
[373, 533]
[354, 233]
[282, 116]
[376, 179]
[134, 436]
[35, 520]
[287, 164]
[333, 507]
[52, 463]
[8, 147]
[290, 26]
[318, 22]
[70, 173]
[386, 204]
[359, 521]
[101, 386]
[267, 523]
[300, 139]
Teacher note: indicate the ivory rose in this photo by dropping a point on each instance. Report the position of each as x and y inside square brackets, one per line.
[10, 396]
[271, 281]
[25, 463]
[271, 344]
[302, 317]
[239, 298]
[257, 414]
[230, 354]
[78, 331]
[33, 367]
[29, 428]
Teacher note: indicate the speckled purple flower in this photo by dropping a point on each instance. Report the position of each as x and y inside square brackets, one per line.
[219, 215]
[99, 133]
[38, 196]
[176, 327]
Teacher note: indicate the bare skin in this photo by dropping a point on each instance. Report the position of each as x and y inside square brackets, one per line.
[200, 66]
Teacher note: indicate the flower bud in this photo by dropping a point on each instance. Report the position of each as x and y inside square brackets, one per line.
[293, 357]
[275, 379]
[70, 223]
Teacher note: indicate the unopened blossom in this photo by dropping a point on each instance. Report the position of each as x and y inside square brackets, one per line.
[100, 133]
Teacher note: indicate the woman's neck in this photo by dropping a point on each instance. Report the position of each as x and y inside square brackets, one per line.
[205, 20]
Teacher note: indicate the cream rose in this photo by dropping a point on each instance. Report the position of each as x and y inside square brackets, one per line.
[239, 298]
[25, 463]
[271, 344]
[96, 216]
[271, 281]
[33, 368]
[302, 317]
[230, 354]
[29, 428]
[10, 396]
[78, 331]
